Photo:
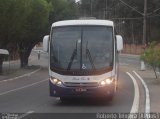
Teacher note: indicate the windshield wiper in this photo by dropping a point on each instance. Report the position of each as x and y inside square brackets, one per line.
[89, 56]
[72, 57]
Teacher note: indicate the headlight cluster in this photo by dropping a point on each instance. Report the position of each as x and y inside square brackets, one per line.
[56, 81]
[107, 81]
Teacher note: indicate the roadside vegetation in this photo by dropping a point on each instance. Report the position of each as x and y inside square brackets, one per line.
[151, 56]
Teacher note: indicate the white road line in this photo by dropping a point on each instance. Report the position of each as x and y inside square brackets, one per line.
[135, 106]
[26, 114]
[6, 92]
[24, 75]
[147, 105]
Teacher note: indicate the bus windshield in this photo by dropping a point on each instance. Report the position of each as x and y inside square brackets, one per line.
[81, 48]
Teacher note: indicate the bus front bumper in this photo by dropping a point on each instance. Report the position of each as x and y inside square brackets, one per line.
[99, 91]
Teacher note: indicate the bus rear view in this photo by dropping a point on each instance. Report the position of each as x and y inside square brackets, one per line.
[83, 58]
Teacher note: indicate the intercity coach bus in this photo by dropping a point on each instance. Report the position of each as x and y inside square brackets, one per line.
[83, 58]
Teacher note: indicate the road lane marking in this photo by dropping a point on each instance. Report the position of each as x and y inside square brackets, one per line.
[26, 114]
[6, 92]
[24, 75]
[135, 106]
[147, 105]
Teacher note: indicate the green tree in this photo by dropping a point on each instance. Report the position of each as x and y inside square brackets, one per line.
[11, 11]
[33, 28]
[23, 24]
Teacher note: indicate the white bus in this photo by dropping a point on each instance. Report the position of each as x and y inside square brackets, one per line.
[83, 58]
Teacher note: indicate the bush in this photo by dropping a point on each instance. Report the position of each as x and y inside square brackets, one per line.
[151, 56]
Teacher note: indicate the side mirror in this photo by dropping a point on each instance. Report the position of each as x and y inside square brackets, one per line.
[45, 43]
[119, 42]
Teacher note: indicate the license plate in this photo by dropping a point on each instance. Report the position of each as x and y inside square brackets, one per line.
[80, 90]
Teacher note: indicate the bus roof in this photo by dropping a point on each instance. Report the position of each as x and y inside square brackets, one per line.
[83, 22]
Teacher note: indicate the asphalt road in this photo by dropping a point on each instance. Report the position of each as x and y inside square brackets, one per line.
[129, 60]
[30, 94]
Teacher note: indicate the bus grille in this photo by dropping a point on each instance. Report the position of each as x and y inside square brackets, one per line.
[81, 84]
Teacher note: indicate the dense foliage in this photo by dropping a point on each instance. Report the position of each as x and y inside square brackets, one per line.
[23, 23]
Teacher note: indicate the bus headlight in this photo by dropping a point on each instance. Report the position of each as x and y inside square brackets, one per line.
[107, 81]
[59, 83]
[103, 83]
[56, 81]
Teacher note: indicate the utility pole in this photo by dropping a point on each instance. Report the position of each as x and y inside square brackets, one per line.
[91, 8]
[145, 24]
[144, 31]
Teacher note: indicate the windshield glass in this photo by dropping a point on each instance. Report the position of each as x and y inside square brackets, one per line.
[81, 48]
